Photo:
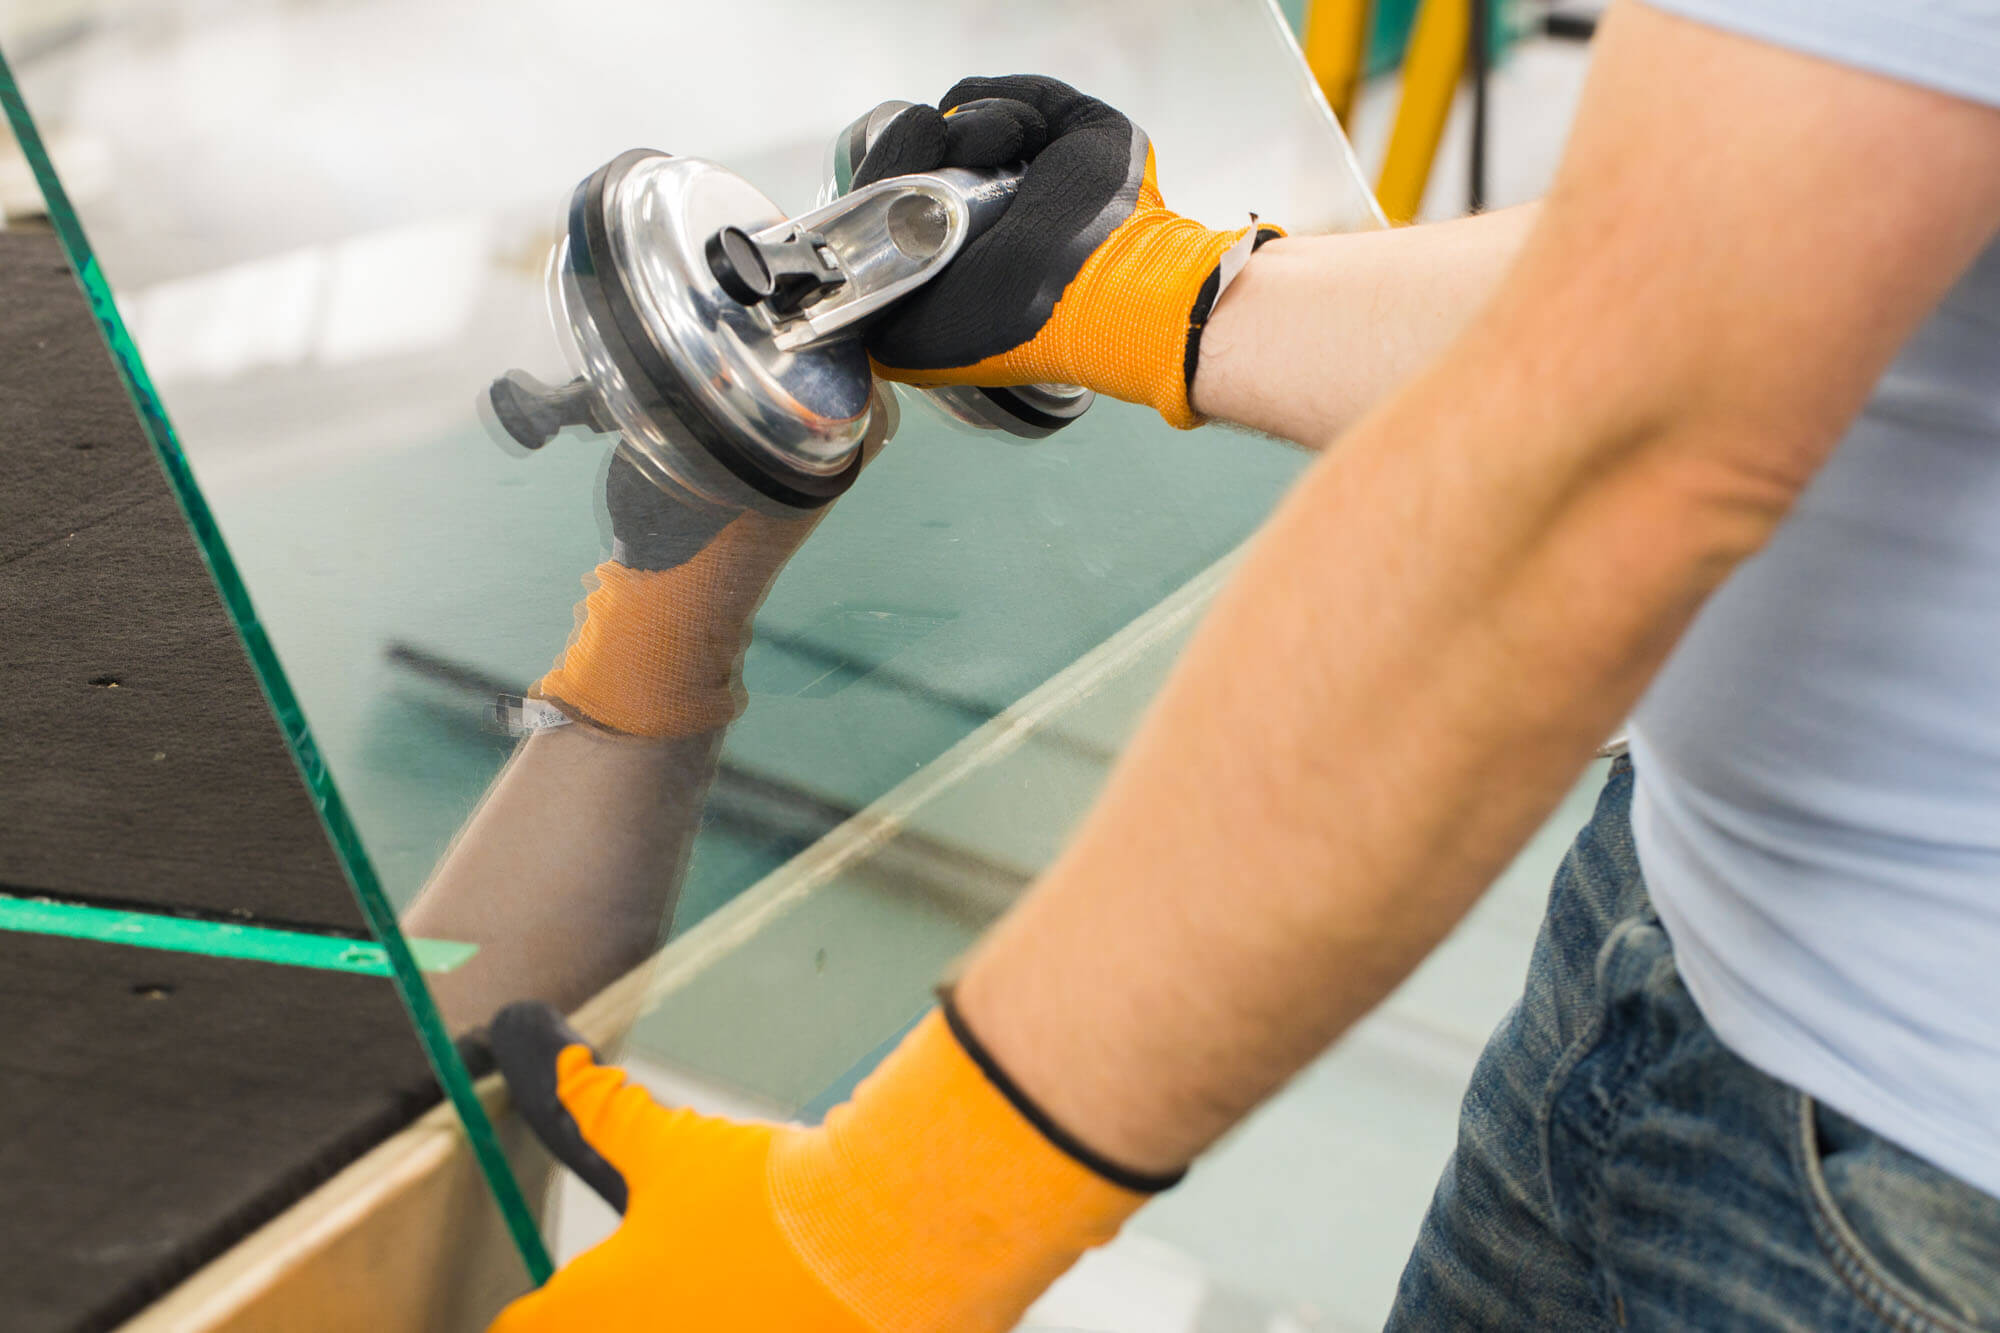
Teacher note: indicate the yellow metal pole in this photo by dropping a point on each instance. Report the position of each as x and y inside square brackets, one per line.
[1336, 45]
[1432, 68]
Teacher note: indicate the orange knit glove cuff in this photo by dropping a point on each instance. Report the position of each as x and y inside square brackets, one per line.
[929, 1202]
[1130, 324]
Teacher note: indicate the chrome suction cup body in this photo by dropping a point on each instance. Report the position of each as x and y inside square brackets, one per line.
[692, 379]
[722, 341]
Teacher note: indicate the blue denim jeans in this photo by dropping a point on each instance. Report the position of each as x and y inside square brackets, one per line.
[1618, 1168]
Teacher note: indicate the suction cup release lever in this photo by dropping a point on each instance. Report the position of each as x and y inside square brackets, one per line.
[533, 412]
[783, 272]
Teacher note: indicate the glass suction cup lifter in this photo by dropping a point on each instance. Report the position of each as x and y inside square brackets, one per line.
[721, 340]
[1026, 411]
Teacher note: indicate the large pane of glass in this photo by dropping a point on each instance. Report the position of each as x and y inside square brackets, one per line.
[317, 231]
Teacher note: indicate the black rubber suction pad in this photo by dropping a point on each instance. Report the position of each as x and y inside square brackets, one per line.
[651, 371]
[1029, 412]
[1032, 413]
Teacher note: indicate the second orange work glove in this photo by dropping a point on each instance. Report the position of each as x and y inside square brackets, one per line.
[1087, 278]
[935, 1201]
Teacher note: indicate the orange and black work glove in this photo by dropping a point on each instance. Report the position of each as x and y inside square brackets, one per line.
[935, 1201]
[1087, 278]
[659, 641]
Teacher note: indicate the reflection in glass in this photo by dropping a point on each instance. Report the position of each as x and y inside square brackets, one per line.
[325, 229]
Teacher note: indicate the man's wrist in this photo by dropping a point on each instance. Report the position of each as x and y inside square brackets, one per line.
[1216, 370]
[1139, 1182]
[1133, 318]
[932, 1166]
[1221, 278]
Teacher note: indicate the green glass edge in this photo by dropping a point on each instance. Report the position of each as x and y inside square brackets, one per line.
[219, 939]
[431, 1033]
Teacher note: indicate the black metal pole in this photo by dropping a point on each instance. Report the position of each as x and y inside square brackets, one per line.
[1479, 58]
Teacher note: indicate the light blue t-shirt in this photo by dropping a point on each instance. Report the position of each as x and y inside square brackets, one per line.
[1818, 802]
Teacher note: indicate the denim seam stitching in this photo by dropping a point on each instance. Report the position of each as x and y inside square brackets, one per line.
[1859, 1269]
[1565, 1066]
[1639, 1054]
[1588, 1040]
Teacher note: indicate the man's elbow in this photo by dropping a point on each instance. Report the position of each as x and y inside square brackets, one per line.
[1726, 481]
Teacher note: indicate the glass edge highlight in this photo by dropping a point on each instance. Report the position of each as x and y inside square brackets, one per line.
[436, 1041]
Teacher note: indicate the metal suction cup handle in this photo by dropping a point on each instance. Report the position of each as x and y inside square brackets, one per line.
[832, 268]
[1029, 411]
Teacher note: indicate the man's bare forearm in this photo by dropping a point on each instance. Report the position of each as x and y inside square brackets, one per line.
[1316, 330]
[1452, 608]
[1396, 687]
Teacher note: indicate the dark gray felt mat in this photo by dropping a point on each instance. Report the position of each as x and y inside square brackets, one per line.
[138, 760]
[154, 1107]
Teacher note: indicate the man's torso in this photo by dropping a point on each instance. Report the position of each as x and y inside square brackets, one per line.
[1818, 809]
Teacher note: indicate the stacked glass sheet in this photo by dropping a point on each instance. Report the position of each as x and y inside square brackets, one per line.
[314, 232]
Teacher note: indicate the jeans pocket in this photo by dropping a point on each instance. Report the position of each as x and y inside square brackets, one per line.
[1915, 1244]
